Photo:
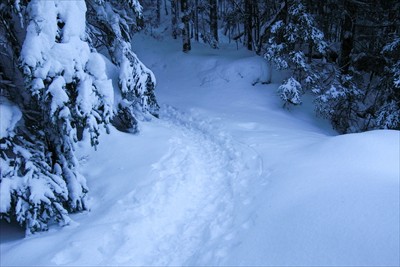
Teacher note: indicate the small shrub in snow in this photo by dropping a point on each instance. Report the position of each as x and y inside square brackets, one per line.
[290, 91]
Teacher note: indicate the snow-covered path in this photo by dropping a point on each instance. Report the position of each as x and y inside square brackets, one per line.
[227, 177]
[187, 215]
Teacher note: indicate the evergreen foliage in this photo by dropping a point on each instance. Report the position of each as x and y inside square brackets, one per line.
[357, 91]
[58, 81]
[290, 40]
[388, 110]
[67, 71]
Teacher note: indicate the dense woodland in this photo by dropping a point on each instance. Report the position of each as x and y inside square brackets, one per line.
[55, 55]
[344, 52]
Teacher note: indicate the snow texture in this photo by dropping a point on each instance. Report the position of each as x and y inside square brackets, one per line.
[227, 177]
[10, 115]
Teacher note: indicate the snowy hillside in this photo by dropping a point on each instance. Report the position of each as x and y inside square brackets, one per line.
[226, 176]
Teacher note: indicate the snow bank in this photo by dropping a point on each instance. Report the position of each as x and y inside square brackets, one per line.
[10, 115]
[333, 203]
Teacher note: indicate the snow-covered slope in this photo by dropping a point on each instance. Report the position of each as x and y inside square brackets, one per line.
[227, 177]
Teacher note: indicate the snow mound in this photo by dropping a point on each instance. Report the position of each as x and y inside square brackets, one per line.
[10, 115]
[334, 203]
[251, 70]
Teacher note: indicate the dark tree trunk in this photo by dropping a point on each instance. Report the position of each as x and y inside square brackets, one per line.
[257, 26]
[309, 8]
[158, 12]
[175, 18]
[185, 30]
[214, 23]
[165, 7]
[196, 20]
[347, 36]
[284, 14]
[248, 10]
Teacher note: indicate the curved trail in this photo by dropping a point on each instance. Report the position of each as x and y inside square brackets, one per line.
[187, 215]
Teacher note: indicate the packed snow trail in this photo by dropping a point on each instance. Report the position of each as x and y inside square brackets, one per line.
[189, 211]
[188, 214]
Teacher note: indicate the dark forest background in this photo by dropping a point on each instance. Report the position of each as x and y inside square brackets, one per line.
[345, 52]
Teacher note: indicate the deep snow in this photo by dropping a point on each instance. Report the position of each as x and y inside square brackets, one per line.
[226, 176]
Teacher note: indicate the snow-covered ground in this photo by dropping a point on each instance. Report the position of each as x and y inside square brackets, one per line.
[226, 176]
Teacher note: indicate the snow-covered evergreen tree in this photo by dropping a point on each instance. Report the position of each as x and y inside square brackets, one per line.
[339, 102]
[110, 26]
[388, 113]
[363, 93]
[32, 191]
[65, 95]
[293, 41]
